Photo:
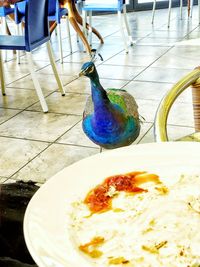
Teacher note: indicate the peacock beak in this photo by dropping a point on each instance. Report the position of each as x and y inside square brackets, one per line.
[82, 73]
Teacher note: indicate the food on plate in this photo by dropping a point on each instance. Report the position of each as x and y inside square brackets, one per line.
[134, 219]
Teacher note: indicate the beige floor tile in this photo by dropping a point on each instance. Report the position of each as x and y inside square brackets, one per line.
[69, 69]
[18, 98]
[11, 76]
[147, 90]
[177, 60]
[147, 108]
[6, 114]
[42, 54]
[77, 57]
[76, 136]
[23, 151]
[159, 41]
[38, 126]
[181, 114]
[131, 60]
[68, 104]
[82, 85]
[146, 50]
[145, 127]
[48, 83]
[174, 133]
[118, 72]
[54, 159]
[23, 66]
[148, 137]
[167, 75]
[169, 34]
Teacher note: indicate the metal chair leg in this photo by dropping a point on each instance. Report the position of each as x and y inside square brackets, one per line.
[181, 9]
[18, 52]
[122, 30]
[127, 25]
[53, 64]
[191, 8]
[199, 10]
[90, 28]
[69, 34]
[3, 19]
[153, 11]
[36, 82]
[169, 12]
[2, 76]
[60, 43]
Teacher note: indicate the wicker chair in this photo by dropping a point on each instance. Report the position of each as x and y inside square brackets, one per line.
[160, 126]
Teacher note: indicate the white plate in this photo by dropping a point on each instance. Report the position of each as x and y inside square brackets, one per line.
[46, 224]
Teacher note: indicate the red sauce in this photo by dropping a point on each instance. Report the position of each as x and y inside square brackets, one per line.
[98, 199]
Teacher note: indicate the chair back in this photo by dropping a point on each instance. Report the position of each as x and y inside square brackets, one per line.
[4, 11]
[36, 23]
[54, 10]
[53, 5]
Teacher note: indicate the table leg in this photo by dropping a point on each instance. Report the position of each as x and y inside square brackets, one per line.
[72, 20]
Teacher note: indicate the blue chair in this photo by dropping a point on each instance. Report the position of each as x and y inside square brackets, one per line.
[118, 6]
[36, 34]
[55, 13]
[4, 11]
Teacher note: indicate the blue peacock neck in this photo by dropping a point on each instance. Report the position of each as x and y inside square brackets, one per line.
[106, 118]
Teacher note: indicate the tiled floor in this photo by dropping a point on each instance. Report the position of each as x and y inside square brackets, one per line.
[34, 146]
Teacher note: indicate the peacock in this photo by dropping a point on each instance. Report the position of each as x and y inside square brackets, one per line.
[111, 117]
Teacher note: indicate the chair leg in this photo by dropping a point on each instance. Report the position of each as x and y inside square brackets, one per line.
[2, 76]
[4, 32]
[191, 8]
[122, 30]
[18, 52]
[53, 65]
[199, 10]
[84, 12]
[60, 43]
[127, 25]
[90, 28]
[69, 34]
[153, 11]
[79, 5]
[85, 32]
[181, 9]
[36, 82]
[169, 12]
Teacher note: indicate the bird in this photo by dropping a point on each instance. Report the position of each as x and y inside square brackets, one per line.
[110, 118]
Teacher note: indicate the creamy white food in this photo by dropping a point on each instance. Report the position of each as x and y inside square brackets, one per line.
[160, 227]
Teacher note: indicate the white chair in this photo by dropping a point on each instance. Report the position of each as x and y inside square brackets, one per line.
[118, 6]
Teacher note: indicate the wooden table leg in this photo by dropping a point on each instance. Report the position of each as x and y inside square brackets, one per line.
[188, 7]
[72, 20]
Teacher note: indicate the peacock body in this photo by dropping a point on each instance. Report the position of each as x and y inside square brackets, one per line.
[111, 117]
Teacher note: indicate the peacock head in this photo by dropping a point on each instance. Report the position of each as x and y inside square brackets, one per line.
[89, 70]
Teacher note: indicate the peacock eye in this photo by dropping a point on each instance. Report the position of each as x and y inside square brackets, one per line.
[91, 69]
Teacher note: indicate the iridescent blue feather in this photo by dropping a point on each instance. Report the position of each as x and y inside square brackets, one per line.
[110, 118]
